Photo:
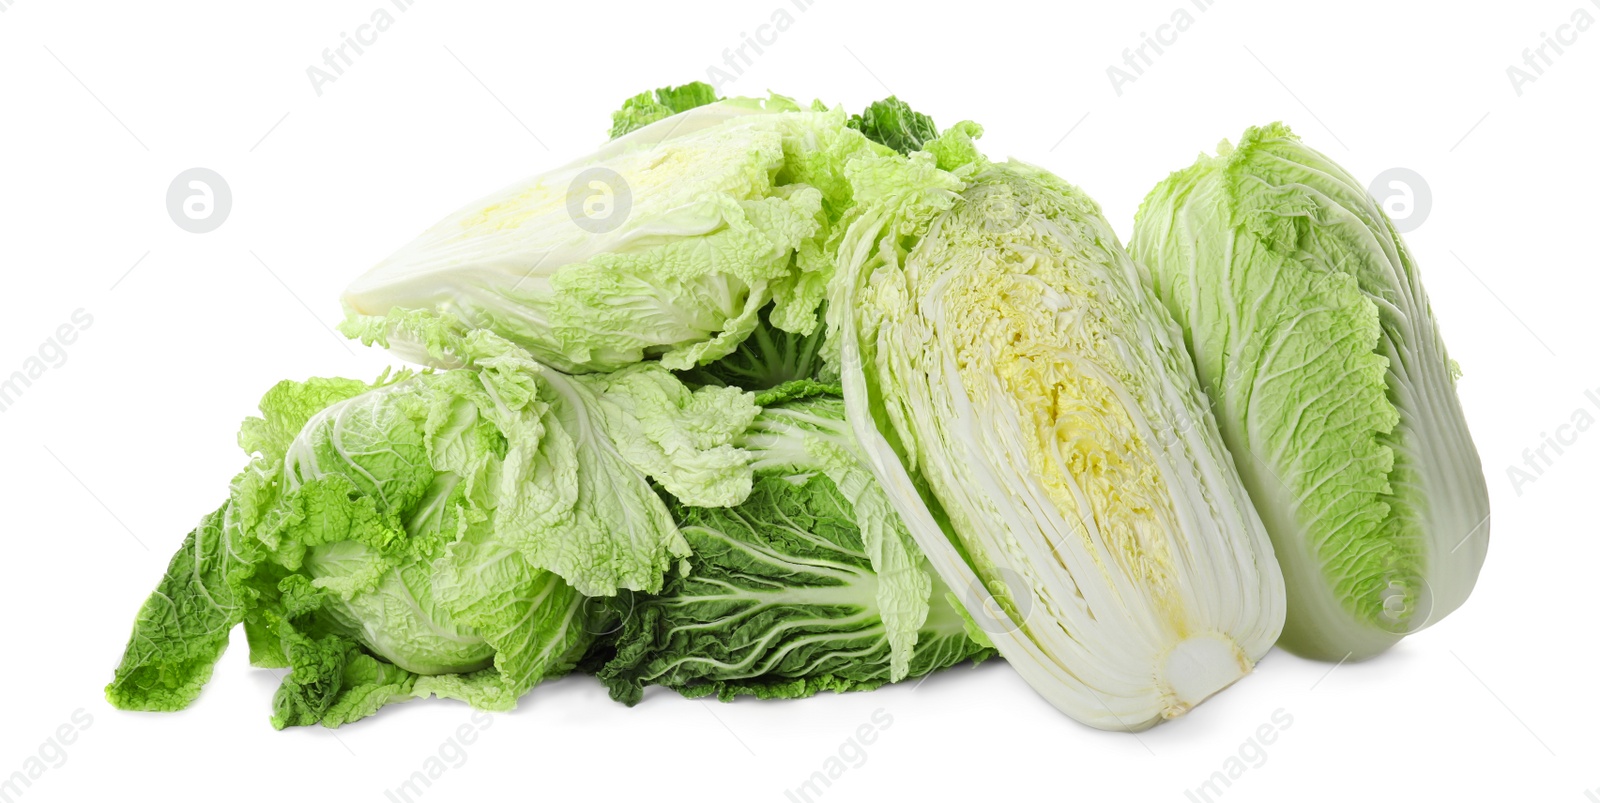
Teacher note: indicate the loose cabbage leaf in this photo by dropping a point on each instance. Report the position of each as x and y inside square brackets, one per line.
[183, 627]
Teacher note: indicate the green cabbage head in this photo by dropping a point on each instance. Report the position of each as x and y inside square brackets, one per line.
[437, 533]
[1315, 340]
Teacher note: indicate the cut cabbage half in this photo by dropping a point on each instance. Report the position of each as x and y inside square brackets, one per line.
[1030, 410]
[666, 243]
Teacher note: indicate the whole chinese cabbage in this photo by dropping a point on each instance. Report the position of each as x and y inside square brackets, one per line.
[435, 533]
[1032, 414]
[1313, 335]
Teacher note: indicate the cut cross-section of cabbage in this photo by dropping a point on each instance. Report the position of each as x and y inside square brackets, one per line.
[665, 243]
[1032, 414]
[1315, 340]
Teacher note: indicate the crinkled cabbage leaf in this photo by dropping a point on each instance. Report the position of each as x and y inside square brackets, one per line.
[811, 584]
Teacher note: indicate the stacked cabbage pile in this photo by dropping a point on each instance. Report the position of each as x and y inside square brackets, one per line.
[766, 399]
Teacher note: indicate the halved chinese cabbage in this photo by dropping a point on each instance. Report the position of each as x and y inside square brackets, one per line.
[1315, 340]
[665, 243]
[1031, 412]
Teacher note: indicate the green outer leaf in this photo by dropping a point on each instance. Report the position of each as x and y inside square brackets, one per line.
[780, 600]
[331, 678]
[798, 390]
[366, 685]
[217, 575]
[647, 107]
[893, 123]
[681, 438]
[581, 510]
[769, 357]
[809, 434]
[183, 627]
[537, 623]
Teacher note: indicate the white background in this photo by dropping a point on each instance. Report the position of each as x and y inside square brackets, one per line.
[112, 456]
